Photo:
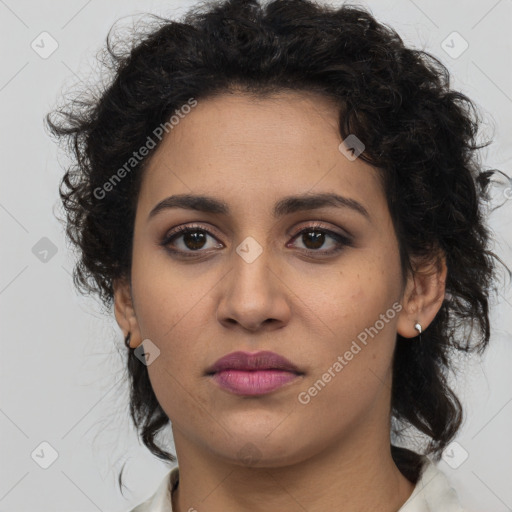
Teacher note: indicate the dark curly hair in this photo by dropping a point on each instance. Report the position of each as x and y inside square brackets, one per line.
[419, 133]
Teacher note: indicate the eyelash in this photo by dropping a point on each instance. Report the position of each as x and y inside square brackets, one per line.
[341, 240]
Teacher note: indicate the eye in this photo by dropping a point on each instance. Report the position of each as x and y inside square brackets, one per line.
[315, 236]
[192, 239]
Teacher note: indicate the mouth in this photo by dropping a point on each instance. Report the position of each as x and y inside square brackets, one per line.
[255, 374]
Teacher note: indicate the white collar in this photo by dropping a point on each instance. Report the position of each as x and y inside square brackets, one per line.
[432, 493]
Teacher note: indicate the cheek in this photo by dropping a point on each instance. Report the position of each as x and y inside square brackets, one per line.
[359, 307]
[353, 367]
[353, 298]
[165, 295]
[171, 312]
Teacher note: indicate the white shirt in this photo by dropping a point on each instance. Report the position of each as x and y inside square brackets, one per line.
[432, 493]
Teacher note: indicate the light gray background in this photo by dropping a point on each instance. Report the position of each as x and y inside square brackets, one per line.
[62, 376]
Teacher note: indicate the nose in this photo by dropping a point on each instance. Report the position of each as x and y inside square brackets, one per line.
[254, 296]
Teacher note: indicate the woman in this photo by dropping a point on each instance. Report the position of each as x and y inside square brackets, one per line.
[283, 205]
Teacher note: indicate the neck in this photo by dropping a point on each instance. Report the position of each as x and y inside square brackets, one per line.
[353, 475]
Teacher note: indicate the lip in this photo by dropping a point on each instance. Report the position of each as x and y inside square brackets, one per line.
[259, 373]
[246, 361]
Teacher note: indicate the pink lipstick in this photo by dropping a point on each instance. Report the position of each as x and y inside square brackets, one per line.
[254, 374]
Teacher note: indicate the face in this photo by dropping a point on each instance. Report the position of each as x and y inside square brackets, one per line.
[317, 283]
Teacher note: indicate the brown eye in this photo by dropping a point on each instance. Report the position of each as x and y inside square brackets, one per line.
[188, 239]
[314, 238]
[194, 239]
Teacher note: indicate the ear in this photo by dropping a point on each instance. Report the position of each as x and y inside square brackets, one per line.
[125, 312]
[423, 295]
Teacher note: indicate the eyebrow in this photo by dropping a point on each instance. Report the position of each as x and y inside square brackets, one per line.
[285, 206]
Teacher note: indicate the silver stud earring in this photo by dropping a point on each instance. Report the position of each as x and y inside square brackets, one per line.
[417, 326]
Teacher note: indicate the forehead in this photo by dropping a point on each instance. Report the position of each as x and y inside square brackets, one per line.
[244, 125]
[283, 144]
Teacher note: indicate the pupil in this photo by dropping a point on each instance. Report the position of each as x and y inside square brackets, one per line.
[318, 239]
[194, 240]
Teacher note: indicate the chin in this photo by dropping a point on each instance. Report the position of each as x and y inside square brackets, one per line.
[257, 456]
[262, 448]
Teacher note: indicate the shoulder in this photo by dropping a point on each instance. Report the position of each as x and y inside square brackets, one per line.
[433, 491]
[160, 501]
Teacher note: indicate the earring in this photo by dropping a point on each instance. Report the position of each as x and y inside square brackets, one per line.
[417, 326]
[127, 339]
